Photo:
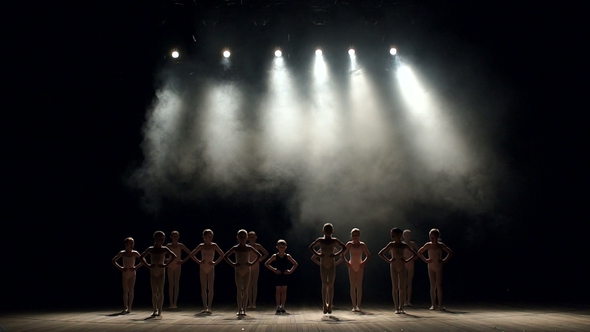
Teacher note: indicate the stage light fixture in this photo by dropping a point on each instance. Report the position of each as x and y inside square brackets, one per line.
[393, 51]
[226, 54]
[351, 52]
[175, 54]
[318, 52]
[278, 53]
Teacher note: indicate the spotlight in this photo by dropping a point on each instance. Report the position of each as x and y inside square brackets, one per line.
[351, 52]
[393, 51]
[318, 52]
[175, 54]
[226, 54]
[278, 53]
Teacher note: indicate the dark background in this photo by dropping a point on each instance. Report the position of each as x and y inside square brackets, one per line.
[85, 74]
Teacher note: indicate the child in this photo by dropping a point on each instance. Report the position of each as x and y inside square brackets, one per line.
[327, 244]
[281, 261]
[435, 263]
[407, 236]
[242, 265]
[356, 266]
[158, 263]
[174, 269]
[207, 267]
[128, 257]
[255, 269]
[397, 267]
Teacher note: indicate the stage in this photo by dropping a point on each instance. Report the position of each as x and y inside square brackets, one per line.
[480, 317]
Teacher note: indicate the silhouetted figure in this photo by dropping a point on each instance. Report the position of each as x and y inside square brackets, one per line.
[128, 258]
[407, 238]
[255, 269]
[397, 267]
[435, 264]
[207, 267]
[174, 269]
[282, 264]
[327, 244]
[157, 264]
[356, 265]
[242, 265]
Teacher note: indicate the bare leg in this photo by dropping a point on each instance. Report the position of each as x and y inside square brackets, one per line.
[439, 291]
[359, 288]
[242, 285]
[323, 275]
[278, 296]
[173, 286]
[283, 296]
[204, 282]
[352, 276]
[402, 289]
[210, 280]
[330, 287]
[154, 286]
[410, 277]
[125, 282]
[253, 291]
[131, 292]
[161, 280]
[396, 277]
[432, 278]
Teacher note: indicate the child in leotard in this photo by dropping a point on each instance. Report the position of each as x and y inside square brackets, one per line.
[397, 267]
[355, 248]
[128, 257]
[157, 264]
[407, 238]
[255, 269]
[242, 265]
[207, 267]
[174, 270]
[327, 244]
[283, 266]
[435, 263]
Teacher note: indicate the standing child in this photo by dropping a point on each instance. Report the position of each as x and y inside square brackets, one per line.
[327, 244]
[157, 264]
[407, 235]
[356, 265]
[255, 269]
[128, 257]
[397, 267]
[207, 267]
[173, 270]
[242, 264]
[435, 263]
[282, 261]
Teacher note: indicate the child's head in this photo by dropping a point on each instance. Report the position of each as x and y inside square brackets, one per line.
[242, 236]
[252, 237]
[281, 245]
[355, 234]
[328, 229]
[174, 235]
[129, 242]
[396, 233]
[407, 235]
[208, 234]
[159, 237]
[434, 234]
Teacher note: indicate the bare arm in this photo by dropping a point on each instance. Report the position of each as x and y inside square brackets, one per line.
[421, 253]
[409, 259]
[294, 262]
[137, 255]
[263, 251]
[193, 254]
[342, 247]
[347, 261]
[272, 268]
[116, 259]
[145, 253]
[188, 252]
[367, 254]
[258, 256]
[220, 252]
[312, 248]
[382, 254]
[448, 250]
[172, 257]
[316, 259]
[226, 257]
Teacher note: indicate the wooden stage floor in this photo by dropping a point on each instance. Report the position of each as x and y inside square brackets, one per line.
[304, 318]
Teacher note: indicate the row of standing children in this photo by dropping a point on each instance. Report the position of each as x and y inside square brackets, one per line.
[246, 257]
